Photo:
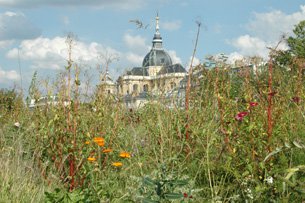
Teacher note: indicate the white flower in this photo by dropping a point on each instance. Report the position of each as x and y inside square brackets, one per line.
[17, 124]
[269, 180]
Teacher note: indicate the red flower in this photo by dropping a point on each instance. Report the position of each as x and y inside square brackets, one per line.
[241, 115]
[296, 99]
[253, 103]
[185, 195]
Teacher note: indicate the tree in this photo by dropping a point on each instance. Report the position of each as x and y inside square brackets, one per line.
[297, 43]
[33, 89]
[296, 46]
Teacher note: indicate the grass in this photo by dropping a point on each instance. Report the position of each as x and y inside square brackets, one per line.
[20, 179]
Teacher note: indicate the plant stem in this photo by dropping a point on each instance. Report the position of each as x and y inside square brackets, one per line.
[188, 86]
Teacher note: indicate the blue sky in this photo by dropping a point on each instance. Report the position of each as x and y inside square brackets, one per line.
[34, 32]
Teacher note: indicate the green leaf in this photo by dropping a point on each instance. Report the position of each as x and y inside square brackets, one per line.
[277, 150]
[298, 145]
[180, 182]
[173, 196]
[148, 181]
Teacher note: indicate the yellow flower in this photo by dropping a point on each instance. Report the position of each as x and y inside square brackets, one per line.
[100, 141]
[125, 155]
[107, 150]
[91, 159]
[87, 142]
[117, 164]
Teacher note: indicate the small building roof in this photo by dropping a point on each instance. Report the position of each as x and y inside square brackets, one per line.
[139, 71]
[175, 68]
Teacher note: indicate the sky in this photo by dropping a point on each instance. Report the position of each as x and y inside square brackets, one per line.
[33, 33]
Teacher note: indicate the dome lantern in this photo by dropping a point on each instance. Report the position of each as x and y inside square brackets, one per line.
[157, 55]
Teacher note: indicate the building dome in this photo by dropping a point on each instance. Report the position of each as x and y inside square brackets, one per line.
[157, 57]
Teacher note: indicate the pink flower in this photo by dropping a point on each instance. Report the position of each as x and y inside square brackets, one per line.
[253, 103]
[240, 116]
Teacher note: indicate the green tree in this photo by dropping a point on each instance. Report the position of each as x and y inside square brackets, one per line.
[296, 46]
[297, 42]
[33, 89]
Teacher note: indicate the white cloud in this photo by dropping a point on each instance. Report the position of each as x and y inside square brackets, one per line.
[16, 26]
[265, 30]
[174, 57]
[270, 26]
[119, 4]
[8, 76]
[170, 25]
[134, 58]
[248, 45]
[136, 43]
[196, 62]
[45, 53]
[234, 57]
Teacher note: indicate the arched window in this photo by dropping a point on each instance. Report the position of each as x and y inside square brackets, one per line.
[135, 87]
[173, 85]
[145, 88]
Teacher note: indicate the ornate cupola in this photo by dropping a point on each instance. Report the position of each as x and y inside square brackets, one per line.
[157, 55]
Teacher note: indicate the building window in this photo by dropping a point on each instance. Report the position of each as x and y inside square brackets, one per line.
[173, 85]
[145, 88]
[162, 60]
[135, 88]
[109, 91]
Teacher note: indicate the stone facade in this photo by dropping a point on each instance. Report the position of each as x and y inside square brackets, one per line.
[157, 75]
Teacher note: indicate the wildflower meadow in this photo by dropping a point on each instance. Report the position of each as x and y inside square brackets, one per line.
[241, 139]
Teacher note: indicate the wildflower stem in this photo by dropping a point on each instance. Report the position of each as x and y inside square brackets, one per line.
[188, 86]
[269, 108]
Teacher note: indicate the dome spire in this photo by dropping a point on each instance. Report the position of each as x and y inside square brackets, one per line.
[157, 23]
[157, 40]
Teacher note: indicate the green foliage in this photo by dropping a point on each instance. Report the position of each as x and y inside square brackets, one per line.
[10, 101]
[163, 188]
[297, 42]
[34, 92]
[296, 49]
[227, 158]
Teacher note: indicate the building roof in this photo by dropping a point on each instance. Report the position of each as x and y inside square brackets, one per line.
[175, 68]
[106, 79]
[140, 71]
[157, 57]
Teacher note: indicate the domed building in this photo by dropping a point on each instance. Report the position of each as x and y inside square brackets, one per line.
[157, 75]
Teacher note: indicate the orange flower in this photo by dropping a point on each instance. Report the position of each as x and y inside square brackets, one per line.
[117, 164]
[125, 155]
[100, 141]
[87, 142]
[91, 159]
[107, 150]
